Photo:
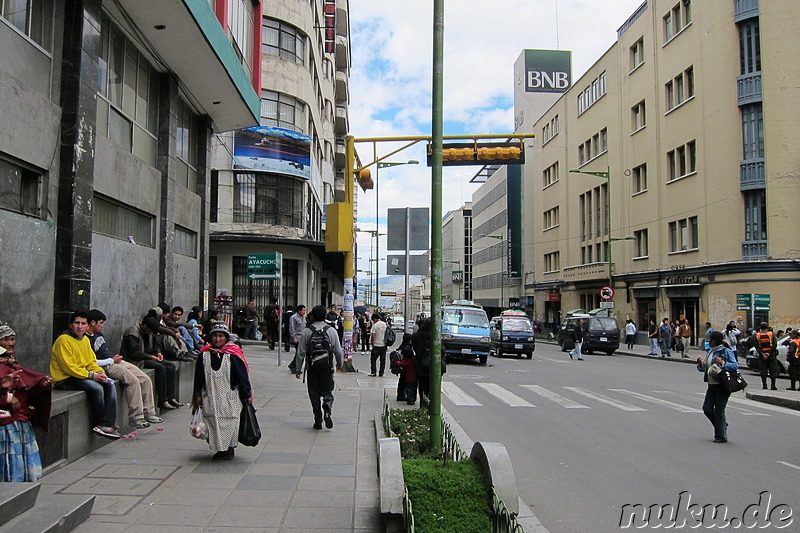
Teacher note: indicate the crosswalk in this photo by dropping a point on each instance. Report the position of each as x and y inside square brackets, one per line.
[582, 398]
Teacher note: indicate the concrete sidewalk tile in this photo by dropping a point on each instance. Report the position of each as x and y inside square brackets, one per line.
[310, 499]
[177, 515]
[370, 499]
[276, 469]
[329, 470]
[329, 437]
[367, 519]
[102, 527]
[220, 481]
[186, 495]
[235, 466]
[147, 528]
[326, 518]
[255, 498]
[366, 482]
[282, 457]
[124, 487]
[138, 471]
[326, 483]
[236, 529]
[114, 504]
[248, 516]
[264, 482]
[290, 447]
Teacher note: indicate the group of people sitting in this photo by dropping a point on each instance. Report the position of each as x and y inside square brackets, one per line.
[81, 360]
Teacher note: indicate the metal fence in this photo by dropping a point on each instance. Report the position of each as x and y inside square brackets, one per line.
[503, 521]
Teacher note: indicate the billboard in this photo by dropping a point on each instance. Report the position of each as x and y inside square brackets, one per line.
[274, 150]
[548, 71]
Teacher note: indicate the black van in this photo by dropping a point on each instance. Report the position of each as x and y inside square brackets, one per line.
[602, 334]
[511, 332]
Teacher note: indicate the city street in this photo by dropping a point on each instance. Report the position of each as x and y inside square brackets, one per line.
[588, 437]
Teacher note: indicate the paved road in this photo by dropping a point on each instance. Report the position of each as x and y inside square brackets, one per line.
[587, 438]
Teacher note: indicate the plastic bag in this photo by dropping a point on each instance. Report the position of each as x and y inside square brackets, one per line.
[197, 427]
[259, 335]
[249, 430]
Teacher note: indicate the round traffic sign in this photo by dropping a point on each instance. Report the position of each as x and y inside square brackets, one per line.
[606, 292]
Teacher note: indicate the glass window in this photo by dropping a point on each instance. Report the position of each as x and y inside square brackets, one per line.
[755, 215]
[640, 178]
[284, 41]
[752, 131]
[122, 222]
[185, 242]
[269, 199]
[283, 111]
[749, 47]
[33, 18]
[641, 243]
[637, 53]
[21, 189]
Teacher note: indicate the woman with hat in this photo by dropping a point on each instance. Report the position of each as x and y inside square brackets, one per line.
[221, 387]
[24, 403]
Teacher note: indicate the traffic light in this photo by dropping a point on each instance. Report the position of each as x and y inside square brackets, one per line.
[365, 179]
[475, 153]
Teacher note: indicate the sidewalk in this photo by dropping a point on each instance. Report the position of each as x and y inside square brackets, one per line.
[782, 397]
[296, 479]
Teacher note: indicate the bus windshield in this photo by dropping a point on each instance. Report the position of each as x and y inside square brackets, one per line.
[466, 317]
[517, 324]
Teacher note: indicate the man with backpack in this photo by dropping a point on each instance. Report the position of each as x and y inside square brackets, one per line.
[317, 346]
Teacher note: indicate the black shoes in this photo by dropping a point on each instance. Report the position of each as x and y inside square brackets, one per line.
[166, 406]
[317, 425]
[223, 456]
[328, 420]
[175, 403]
[719, 440]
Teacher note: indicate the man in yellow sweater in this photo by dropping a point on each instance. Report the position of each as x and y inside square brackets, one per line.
[73, 366]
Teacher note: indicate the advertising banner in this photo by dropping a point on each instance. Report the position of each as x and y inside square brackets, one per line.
[548, 71]
[273, 150]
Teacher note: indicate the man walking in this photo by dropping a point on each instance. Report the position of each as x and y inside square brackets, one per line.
[767, 348]
[252, 317]
[74, 367]
[297, 323]
[665, 337]
[378, 338]
[577, 335]
[319, 376]
[272, 316]
[685, 333]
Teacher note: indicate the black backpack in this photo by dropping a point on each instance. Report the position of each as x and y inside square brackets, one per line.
[389, 336]
[318, 353]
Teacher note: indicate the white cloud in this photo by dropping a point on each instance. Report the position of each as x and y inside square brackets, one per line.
[390, 84]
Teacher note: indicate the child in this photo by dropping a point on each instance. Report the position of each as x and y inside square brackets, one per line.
[408, 371]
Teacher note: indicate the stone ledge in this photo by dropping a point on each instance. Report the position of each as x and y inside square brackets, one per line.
[496, 464]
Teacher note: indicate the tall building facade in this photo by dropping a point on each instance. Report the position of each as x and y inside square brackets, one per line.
[104, 155]
[667, 171]
[272, 183]
[457, 254]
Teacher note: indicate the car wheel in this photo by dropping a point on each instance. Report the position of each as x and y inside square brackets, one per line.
[610, 352]
[519, 356]
[563, 346]
[589, 352]
[483, 358]
[530, 355]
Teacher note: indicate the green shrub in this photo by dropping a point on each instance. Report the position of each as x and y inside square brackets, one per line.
[412, 426]
[447, 498]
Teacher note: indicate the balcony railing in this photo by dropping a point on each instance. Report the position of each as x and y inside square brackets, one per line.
[751, 174]
[754, 250]
[748, 88]
[744, 9]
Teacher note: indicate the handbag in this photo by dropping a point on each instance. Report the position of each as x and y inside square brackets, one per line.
[732, 380]
[249, 431]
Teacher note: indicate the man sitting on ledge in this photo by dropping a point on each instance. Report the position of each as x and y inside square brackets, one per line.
[74, 367]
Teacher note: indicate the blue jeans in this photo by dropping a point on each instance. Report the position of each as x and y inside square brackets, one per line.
[664, 346]
[102, 399]
[187, 338]
[653, 345]
[714, 409]
[250, 330]
[577, 350]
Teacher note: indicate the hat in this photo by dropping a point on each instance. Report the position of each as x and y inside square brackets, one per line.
[219, 327]
[6, 331]
[157, 310]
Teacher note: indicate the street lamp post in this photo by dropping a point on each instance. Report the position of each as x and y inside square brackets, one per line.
[502, 268]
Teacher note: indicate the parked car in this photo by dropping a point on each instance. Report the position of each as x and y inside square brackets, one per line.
[512, 332]
[602, 334]
[398, 323]
[465, 331]
[753, 361]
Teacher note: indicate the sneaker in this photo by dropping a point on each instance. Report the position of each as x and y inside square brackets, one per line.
[317, 425]
[570, 355]
[153, 419]
[328, 421]
[372, 375]
[106, 432]
[580, 358]
[140, 423]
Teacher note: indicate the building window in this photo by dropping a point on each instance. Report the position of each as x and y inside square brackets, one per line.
[593, 147]
[21, 189]
[122, 222]
[550, 218]
[269, 199]
[640, 178]
[185, 242]
[749, 47]
[127, 112]
[550, 175]
[680, 88]
[186, 145]
[32, 18]
[592, 93]
[677, 19]
[752, 131]
[641, 243]
[283, 111]
[240, 29]
[637, 54]
[214, 197]
[552, 262]
[550, 130]
[638, 118]
[755, 215]
[682, 161]
[285, 41]
[683, 235]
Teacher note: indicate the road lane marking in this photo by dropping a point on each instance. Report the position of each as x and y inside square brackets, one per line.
[457, 395]
[659, 401]
[563, 401]
[790, 465]
[605, 399]
[504, 395]
[553, 360]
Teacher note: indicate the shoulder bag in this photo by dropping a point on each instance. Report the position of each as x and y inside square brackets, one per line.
[732, 380]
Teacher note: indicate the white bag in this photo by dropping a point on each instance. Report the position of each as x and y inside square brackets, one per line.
[197, 427]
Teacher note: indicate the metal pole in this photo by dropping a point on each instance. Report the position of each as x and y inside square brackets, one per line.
[405, 300]
[281, 309]
[377, 232]
[608, 230]
[502, 273]
[436, 228]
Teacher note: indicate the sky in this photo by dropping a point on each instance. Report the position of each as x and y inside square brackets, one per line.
[391, 78]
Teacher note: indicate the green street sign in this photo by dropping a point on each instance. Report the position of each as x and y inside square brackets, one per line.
[263, 275]
[743, 302]
[265, 263]
[761, 302]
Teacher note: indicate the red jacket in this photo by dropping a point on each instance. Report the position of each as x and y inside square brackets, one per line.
[411, 372]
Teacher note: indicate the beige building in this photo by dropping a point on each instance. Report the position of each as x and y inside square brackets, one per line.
[691, 121]
[457, 254]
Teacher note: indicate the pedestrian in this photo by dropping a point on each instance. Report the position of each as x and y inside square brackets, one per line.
[793, 358]
[356, 335]
[731, 336]
[577, 335]
[665, 337]
[272, 316]
[366, 332]
[421, 343]
[767, 348]
[24, 403]
[707, 336]
[140, 348]
[378, 344]
[685, 334]
[652, 336]
[319, 342]
[719, 358]
[251, 317]
[297, 324]
[408, 371]
[630, 333]
[221, 388]
[285, 320]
